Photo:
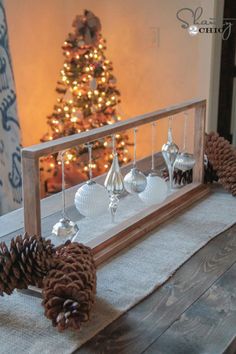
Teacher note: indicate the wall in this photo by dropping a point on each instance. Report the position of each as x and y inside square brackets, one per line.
[150, 76]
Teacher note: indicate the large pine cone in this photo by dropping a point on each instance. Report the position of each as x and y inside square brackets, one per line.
[222, 157]
[69, 289]
[27, 261]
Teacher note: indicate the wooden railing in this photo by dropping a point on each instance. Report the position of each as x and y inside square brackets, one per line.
[31, 155]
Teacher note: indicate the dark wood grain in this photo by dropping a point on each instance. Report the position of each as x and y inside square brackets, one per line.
[208, 326]
[136, 330]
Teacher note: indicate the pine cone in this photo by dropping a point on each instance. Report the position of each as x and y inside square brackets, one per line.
[27, 261]
[69, 289]
[222, 157]
[181, 178]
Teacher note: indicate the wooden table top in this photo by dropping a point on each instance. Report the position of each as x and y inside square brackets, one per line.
[192, 313]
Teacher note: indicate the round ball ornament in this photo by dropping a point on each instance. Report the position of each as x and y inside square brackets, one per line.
[155, 191]
[135, 181]
[92, 199]
[185, 161]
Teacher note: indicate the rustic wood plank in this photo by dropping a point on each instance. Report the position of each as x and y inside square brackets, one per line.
[141, 326]
[31, 195]
[68, 142]
[199, 131]
[208, 326]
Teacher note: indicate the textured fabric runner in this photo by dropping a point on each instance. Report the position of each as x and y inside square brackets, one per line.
[122, 282]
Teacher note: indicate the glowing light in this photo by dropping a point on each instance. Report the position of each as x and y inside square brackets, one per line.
[125, 159]
[52, 164]
[108, 103]
[87, 69]
[105, 143]
[96, 92]
[85, 168]
[73, 119]
[69, 156]
[106, 166]
[113, 98]
[100, 99]
[66, 108]
[103, 79]
[67, 53]
[100, 46]
[63, 78]
[55, 121]
[117, 136]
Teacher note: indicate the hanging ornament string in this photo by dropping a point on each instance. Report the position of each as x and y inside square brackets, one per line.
[185, 130]
[154, 124]
[89, 146]
[113, 144]
[60, 157]
[135, 146]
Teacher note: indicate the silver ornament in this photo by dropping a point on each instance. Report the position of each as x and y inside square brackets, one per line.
[170, 152]
[135, 181]
[185, 161]
[114, 182]
[65, 228]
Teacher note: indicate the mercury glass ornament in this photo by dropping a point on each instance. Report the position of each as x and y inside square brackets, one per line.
[155, 191]
[91, 199]
[65, 227]
[170, 152]
[114, 182]
[135, 181]
[185, 161]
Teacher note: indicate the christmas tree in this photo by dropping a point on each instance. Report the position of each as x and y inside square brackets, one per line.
[88, 97]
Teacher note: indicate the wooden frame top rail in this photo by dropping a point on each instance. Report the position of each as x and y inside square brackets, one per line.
[50, 147]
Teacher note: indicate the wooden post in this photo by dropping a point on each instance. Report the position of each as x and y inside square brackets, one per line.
[31, 195]
[199, 137]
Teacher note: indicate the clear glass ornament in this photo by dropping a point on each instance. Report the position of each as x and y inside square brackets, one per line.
[135, 181]
[185, 161]
[91, 199]
[170, 152]
[64, 227]
[156, 189]
[114, 182]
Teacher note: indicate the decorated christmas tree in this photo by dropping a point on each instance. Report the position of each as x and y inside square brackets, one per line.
[88, 99]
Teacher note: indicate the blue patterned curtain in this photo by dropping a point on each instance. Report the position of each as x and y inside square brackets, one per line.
[10, 158]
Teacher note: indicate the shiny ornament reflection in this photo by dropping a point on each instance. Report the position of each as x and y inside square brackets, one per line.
[135, 181]
[65, 228]
[185, 161]
[170, 152]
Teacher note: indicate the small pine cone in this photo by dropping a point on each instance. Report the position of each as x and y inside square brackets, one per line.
[222, 158]
[69, 289]
[25, 263]
[181, 178]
